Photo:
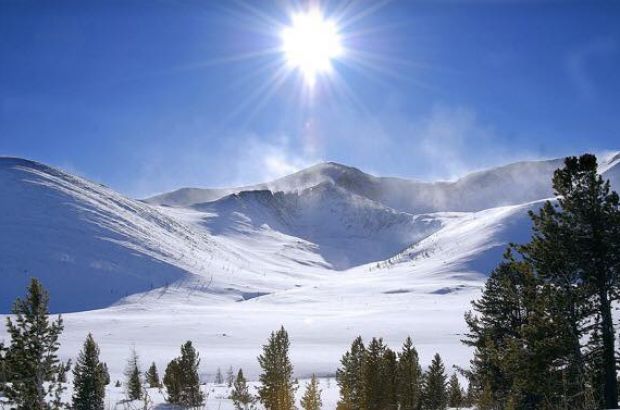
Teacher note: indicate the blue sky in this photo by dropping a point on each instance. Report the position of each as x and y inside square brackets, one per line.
[150, 96]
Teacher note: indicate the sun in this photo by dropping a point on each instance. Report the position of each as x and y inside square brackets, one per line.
[310, 44]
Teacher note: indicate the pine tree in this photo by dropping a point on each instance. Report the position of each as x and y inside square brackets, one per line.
[586, 221]
[373, 382]
[409, 377]
[181, 378]
[455, 393]
[350, 377]
[88, 378]
[219, 378]
[389, 371]
[230, 377]
[133, 382]
[31, 358]
[105, 374]
[241, 397]
[312, 397]
[277, 390]
[152, 376]
[434, 395]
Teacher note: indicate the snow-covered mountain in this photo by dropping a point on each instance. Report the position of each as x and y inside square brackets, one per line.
[93, 247]
[330, 252]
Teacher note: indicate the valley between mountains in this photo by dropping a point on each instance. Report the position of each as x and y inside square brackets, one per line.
[329, 252]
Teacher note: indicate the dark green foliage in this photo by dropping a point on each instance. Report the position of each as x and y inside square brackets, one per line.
[118, 383]
[349, 377]
[409, 377]
[389, 370]
[88, 378]
[312, 397]
[277, 390]
[373, 381]
[105, 374]
[219, 378]
[181, 378]
[456, 397]
[241, 397]
[152, 376]
[434, 395]
[62, 371]
[537, 310]
[31, 358]
[133, 383]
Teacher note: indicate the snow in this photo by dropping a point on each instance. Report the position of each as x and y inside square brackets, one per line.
[330, 253]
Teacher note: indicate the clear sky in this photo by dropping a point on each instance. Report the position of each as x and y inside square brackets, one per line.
[148, 96]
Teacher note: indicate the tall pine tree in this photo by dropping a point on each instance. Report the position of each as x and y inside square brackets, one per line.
[350, 377]
[434, 395]
[409, 377]
[587, 217]
[88, 378]
[455, 393]
[31, 359]
[277, 389]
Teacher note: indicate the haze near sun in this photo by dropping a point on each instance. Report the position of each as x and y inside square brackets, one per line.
[310, 44]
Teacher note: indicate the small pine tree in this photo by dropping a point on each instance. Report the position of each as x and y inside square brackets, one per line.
[88, 378]
[455, 393]
[133, 380]
[241, 397]
[219, 378]
[31, 358]
[105, 373]
[62, 371]
[312, 397]
[152, 376]
[434, 396]
[181, 378]
[118, 383]
[230, 377]
[277, 390]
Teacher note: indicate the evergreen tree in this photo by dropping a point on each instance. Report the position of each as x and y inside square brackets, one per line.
[350, 377]
[409, 377]
[152, 376]
[31, 358]
[62, 371]
[181, 378]
[277, 390]
[373, 382]
[585, 226]
[312, 397]
[230, 377]
[389, 370]
[241, 397]
[434, 395]
[219, 378]
[133, 384]
[455, 393]
[105, 374]
[88, 378]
